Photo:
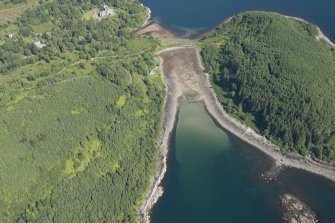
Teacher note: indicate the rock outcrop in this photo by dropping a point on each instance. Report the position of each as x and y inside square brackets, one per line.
[296, 211]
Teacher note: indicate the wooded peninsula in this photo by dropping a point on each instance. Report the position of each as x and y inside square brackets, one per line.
[272, 73]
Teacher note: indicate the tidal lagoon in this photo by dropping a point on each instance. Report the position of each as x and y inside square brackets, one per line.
[214, 177]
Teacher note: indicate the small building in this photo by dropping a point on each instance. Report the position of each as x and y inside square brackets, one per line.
[152, 72]
[10, 35]
[105, 11]
[39, 45]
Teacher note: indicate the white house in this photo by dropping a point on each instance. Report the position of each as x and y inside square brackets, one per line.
[39, 45]
[105, 11]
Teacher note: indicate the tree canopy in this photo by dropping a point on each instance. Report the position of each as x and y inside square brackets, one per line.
[80, 116]
[272, 73]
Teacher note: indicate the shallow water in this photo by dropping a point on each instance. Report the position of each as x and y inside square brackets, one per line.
[214, 177]
[200, 15]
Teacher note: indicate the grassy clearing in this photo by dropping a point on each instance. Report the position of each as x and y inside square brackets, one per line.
[44, 27]
[10, 12]
[10, 28]
[139, 45]
[82, 156]
[121, 101]
[89, 14]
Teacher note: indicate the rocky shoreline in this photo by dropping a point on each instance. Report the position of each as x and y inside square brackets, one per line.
[320, 36]
[147, 20]
[169, 119]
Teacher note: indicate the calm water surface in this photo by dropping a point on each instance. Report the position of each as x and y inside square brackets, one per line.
[214, 177]
[200, 15]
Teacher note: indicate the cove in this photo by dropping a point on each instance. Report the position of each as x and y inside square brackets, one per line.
[214, 177]
[198, 15]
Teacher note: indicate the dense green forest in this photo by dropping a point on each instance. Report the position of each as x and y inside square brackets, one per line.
[79, 116]
[272, 73]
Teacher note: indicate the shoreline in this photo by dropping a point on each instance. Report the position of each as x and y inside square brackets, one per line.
[155, 29]
[323, 37]
[320, 36]
[169, 121]
[147, 20]
[212, 30]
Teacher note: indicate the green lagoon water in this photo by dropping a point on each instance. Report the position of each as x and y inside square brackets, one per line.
[201, 15]
[214, 177]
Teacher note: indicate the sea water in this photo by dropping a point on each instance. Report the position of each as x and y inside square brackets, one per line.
[195, 16]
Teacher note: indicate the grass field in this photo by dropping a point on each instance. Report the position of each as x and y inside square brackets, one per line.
[44, 27]
[89, 14]
[9, 12]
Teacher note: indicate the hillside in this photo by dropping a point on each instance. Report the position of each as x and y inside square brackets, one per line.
[79, 114]
[273, 74]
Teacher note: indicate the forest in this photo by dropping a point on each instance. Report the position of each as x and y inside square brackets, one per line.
[273, 73]
[80, 116]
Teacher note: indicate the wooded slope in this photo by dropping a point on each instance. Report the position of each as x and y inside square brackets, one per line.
[80, 116]
[272, 73]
